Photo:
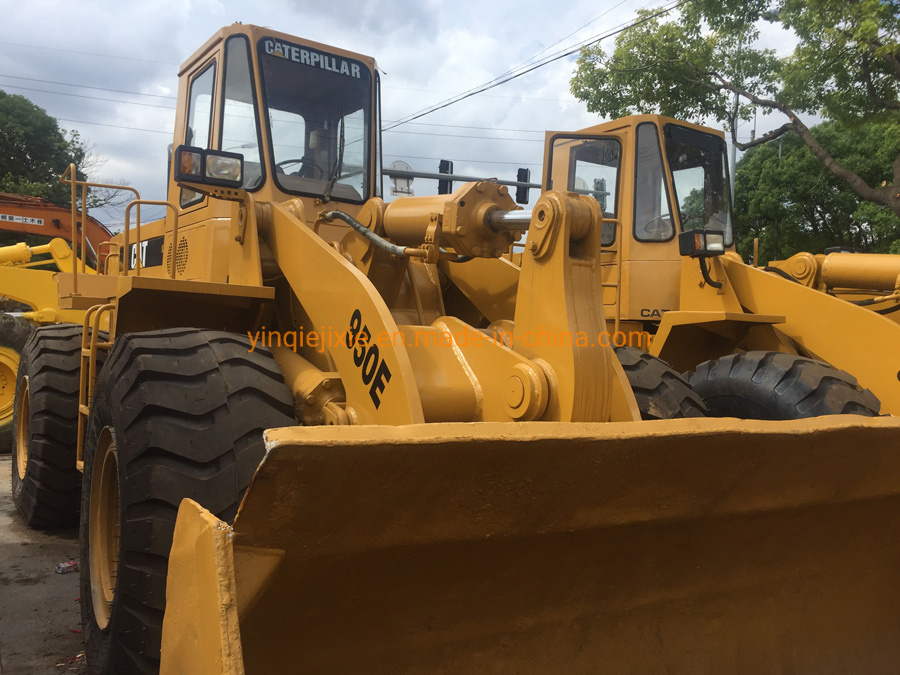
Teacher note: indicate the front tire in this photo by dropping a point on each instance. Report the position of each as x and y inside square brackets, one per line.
[774, 386]
[14, 333]
[46, 485]
[178, 413]
[661, 393]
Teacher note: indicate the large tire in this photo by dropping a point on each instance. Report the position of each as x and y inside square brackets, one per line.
[178, 413]
[775, 386]
[46, 485]
[661, 393]
[14, 332]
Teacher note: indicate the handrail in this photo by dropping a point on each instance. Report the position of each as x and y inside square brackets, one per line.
[70, 175]
[114, 253]
[126, 263]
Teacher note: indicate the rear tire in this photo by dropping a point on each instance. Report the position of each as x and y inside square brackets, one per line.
[14, 333]
[46, 485]
[178, 413]
[775, 386]
[661, 393]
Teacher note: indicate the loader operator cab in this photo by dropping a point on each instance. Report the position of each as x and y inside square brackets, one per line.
[301, 117]
[653, 177]
[284, 119]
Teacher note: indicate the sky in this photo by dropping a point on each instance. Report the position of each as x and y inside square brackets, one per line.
[109, 71]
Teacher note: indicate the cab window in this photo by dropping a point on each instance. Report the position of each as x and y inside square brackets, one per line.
[700, 177]
[199, 126]
[240, 122]
[320, 143]
[652, 211]
[589, 166]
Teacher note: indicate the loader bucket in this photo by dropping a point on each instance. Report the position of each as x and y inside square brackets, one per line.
[681, 546]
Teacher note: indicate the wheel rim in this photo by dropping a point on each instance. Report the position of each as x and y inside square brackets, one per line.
[22, 430]
[9, 366]
[104, 527]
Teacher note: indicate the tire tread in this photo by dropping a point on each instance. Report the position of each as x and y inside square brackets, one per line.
[773, 385]
[178, 401]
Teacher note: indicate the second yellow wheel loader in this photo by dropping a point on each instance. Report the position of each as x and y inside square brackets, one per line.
[30, 298]
[309, 449]
[870, 280]
[756, 344]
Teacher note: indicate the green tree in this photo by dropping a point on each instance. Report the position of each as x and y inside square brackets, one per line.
[787, 198]
[34, 151]
[703, 63]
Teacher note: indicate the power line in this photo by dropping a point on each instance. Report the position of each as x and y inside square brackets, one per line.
[531, 60]
[174, 98]
[44, 48]
[467, 161]
[594, 20]
[482, 138]
[517, 98]
[465, 126]
[93, 98]
[87, 86]
[416, 133]
[550, 59]
[115, 126]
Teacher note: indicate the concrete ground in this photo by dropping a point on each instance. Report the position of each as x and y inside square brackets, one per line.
[40, 613]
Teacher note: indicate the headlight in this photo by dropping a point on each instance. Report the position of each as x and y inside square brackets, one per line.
[701, 243]
[213, 167]
[219, 167]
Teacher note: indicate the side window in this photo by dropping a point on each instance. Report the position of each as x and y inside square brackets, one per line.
[240, 123]
[652, 212]
[596, 170]
[200, 104]
[596, 174]
[378, 158]
[700, 179]
[590, 167]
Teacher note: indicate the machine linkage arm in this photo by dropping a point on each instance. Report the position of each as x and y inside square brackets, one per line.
[21, 254]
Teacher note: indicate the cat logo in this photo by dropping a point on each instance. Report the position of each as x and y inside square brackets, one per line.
[652, 313]
[151, 253]
[308, 56]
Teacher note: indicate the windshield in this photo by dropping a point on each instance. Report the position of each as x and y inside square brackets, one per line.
[316, 103]
[700, 176]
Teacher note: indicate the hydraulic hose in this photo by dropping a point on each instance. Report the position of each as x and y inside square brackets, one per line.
[708, 279]
[380, 242]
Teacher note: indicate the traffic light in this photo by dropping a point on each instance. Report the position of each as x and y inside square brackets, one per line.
[522, 176]
[445, 187]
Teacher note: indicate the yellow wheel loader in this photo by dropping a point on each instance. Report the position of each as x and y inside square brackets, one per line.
[759, 345]
[30, 298]
[869, 280]
[306, 446]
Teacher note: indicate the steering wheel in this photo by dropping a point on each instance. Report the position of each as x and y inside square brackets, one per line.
[310, 166]
[658, 228]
